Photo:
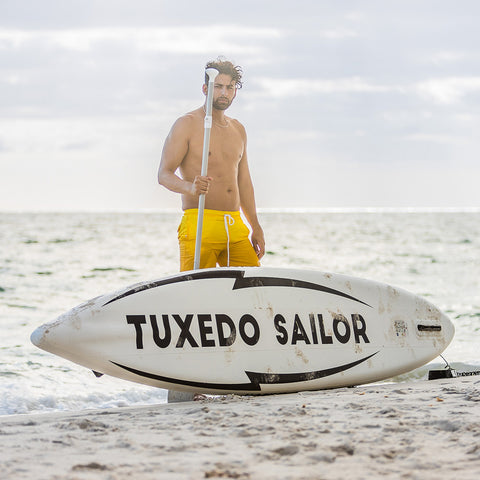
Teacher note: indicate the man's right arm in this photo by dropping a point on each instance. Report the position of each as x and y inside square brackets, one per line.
[174, 151]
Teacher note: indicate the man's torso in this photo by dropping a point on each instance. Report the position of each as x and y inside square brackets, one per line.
[227, 146]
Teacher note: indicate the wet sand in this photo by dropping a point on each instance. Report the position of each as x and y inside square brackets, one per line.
[421, 430]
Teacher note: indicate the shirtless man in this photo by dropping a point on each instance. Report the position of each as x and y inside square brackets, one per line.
[227, 188]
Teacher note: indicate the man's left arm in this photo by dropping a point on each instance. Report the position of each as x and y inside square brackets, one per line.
[247, 203]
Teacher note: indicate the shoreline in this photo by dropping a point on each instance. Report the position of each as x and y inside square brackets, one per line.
[424, 430]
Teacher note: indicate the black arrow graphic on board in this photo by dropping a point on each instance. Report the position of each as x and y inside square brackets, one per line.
[256, 379]
[240, 282]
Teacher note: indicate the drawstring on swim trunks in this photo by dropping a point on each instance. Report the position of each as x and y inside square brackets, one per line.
[228, 220]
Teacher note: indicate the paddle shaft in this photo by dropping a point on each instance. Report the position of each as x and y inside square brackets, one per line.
[212, 74]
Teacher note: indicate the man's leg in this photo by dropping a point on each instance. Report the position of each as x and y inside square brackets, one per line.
[239, 252]
[186, 243]
[208, 256]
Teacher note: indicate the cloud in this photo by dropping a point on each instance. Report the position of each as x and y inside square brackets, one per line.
[191, 40]
[435, 138]
[306, 86]
[443, 91]
[448, 90]
[447, 57]
[339, 33]
[12, 78]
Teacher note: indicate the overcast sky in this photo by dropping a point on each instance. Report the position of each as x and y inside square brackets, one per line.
[372, 103]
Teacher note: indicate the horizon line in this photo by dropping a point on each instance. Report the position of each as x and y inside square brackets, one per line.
[260, 210]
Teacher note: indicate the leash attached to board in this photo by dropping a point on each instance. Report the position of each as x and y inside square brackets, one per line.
[212, 74]
[449, 372]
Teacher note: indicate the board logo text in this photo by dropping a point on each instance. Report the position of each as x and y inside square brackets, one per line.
[219, 330]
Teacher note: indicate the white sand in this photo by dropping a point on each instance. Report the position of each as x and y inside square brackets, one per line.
[423, 430]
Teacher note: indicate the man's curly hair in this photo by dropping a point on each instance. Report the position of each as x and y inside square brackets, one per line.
[227, 68]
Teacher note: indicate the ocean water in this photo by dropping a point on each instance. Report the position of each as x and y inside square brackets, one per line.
[51, 262]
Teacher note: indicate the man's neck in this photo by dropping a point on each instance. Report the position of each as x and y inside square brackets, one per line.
[218, 116]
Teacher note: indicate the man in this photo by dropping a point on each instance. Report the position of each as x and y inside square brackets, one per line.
[227, 188]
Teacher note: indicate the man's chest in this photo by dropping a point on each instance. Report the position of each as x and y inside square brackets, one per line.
[226, 147]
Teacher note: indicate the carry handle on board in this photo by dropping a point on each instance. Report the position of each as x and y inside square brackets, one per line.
[212, 74]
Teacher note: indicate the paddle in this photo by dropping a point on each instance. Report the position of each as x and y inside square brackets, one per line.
[212, 74]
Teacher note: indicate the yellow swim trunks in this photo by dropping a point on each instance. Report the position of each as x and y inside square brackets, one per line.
[224, 240]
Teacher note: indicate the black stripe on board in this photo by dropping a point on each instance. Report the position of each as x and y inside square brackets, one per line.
[253, 282]
[240, 282]
[256, 379]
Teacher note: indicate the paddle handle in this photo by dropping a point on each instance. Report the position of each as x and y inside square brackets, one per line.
[212, 74]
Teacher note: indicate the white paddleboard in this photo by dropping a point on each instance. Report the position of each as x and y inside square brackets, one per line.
[251, 331]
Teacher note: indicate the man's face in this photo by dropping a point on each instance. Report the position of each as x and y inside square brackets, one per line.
[224, 91]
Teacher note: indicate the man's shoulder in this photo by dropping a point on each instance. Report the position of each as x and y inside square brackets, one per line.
[190, 117]
[187, 121]
[238, 125]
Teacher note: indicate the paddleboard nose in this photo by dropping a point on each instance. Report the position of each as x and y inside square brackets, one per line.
[432, 324]
[38, 337]
[448, 328]
[49, 337]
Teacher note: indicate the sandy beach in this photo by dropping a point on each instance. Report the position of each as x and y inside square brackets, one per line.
[420, 430]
